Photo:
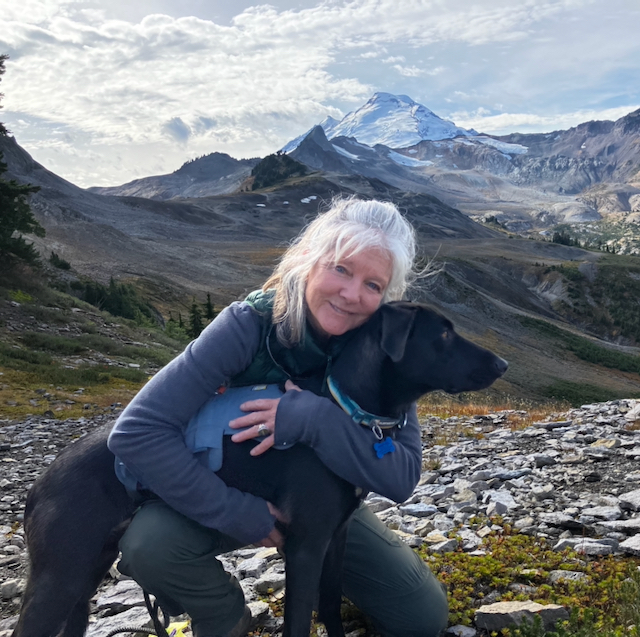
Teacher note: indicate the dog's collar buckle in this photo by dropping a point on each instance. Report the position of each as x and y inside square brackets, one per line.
[376, 423]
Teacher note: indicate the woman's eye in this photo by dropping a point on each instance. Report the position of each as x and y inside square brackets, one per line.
[341, 269]
[375, 287]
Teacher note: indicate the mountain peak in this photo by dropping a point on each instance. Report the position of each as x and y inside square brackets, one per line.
[396, 121]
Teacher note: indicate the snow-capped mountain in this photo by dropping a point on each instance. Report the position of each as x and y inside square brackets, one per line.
[395, 121]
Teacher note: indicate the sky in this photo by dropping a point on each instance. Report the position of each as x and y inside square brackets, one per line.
[102, 92]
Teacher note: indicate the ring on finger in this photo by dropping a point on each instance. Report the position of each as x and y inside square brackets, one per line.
[263, 430]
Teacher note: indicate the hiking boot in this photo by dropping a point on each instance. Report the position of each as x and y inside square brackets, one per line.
[241, 628]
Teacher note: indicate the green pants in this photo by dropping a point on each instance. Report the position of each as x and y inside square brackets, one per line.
[174, 558]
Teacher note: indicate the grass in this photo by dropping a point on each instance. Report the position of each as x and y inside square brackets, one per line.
[516, 558]
[68, 346]
[607, 303]
[520, 412]
[41, 360]
[583, 348]
[22, 394]
[577, 394]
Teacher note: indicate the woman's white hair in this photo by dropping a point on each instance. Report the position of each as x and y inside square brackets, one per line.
[347, 228]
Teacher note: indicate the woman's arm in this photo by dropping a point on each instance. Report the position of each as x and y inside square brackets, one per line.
[148, 436]
[347, 448]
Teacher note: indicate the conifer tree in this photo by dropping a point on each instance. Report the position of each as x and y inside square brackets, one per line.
[195, 320]
[209, 312]
[16, 217]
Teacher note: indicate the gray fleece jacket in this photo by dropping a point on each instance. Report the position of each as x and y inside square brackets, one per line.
[148, 436]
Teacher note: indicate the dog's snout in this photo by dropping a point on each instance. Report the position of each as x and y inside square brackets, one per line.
[501, 365]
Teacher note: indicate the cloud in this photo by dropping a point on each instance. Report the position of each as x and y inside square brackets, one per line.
[408, 71]
[251, 84]
[177, 130]
[505, 123]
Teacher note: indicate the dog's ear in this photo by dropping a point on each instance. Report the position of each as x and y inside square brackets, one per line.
[397, 322]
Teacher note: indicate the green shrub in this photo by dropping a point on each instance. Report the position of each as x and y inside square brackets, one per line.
[50, 342]
[577, 394]
[44, 370]
[59, 262]
[119, 299]
[585, 349]
[20, 297]
[606, 601]
[67, 346]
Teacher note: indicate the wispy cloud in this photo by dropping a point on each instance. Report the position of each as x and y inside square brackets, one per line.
[506, 123]
[183, 86]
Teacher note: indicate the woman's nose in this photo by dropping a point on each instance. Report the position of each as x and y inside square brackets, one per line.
[350, 291]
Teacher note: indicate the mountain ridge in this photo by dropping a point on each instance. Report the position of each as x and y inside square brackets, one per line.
[530, 183]
[497, 288]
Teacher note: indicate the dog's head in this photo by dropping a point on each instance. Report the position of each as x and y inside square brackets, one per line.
[425, 353]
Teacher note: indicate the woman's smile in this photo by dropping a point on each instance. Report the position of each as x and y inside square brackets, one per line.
[342, 296]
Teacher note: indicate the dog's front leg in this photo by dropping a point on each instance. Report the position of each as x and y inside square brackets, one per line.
[331, 584]
[304, 557]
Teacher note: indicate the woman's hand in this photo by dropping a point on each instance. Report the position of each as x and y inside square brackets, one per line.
[275, 538]
[261, 421]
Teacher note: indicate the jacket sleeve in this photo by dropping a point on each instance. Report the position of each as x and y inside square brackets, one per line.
[148, 436]
[347, 448]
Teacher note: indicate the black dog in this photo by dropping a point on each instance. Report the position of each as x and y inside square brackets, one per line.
[77, 511]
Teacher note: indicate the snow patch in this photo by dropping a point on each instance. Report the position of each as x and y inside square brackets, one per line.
[504, 147]
[345, 153]
[403, 160]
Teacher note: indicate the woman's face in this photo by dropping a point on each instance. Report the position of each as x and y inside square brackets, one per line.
[341, 296]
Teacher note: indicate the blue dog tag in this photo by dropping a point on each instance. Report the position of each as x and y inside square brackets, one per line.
[384, 447]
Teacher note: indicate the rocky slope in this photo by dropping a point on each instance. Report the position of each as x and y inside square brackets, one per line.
[227, 246]
[214, 174]
[571, 481]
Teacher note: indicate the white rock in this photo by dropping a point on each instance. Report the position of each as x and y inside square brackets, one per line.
[632, 545]
[11, 588]
[568, 576]
[630, 500]
[460, 631]
[503, 614]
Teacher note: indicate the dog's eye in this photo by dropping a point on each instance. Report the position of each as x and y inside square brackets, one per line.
[446, 335]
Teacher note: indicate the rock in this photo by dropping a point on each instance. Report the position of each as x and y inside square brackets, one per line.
[503, 497]
[631, 546]
[259, 610]
[444, 547]
[504, 614]
[460, 631]
[11, 588]
[271, 581]
[543, 482]
[588, 546]
[419, 510]
[604, 512]
[630, 500]
[253, 567]
[567, 576]
[124, 595]
[633, 414]
[132, 617]
[543, 460]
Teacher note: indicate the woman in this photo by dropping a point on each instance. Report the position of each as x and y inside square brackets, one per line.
[346, 263]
